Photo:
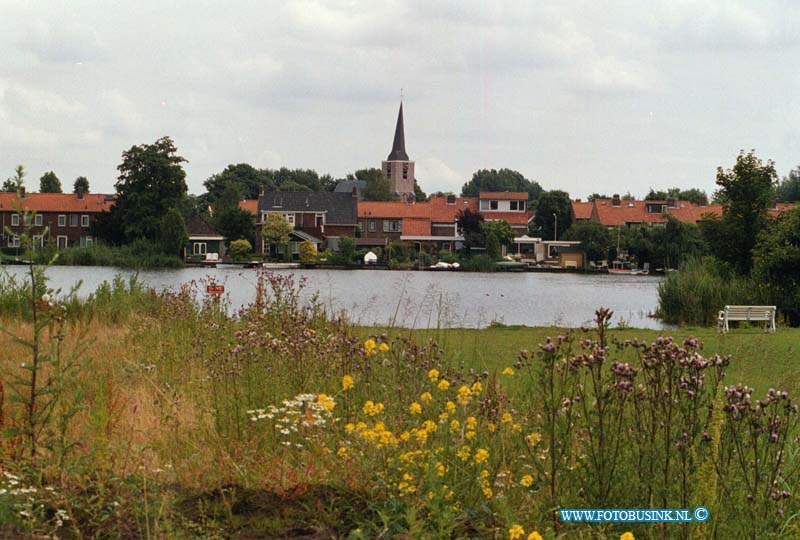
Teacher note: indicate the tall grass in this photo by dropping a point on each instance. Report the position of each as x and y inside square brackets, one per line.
[139, 254]
[694, 294]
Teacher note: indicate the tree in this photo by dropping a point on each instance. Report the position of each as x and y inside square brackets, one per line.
[419, 195]
[502, 180]
[595, 239]
[81, 185]
[239, 250]
[788, 190]
[347, 250]
[15, 182]
[150, 183]
[235, 224]
[553, 202]
[776, 263]
[291, 185]
[248, 180]
[596, 195]
[693, 195]
[172, 234]
[469, 224]
[308, 252]
[229, 198]
[748, 187]
[496, 234]
[377, 188]
[49, 183]
[276, 230]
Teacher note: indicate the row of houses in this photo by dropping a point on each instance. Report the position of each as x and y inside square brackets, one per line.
[617, 212]
[325, 218]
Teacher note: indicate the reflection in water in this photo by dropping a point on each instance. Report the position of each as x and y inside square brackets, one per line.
[424, 299]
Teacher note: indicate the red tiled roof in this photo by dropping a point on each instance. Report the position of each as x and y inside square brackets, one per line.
[513, 218]
[391, 209]
[251, 205]
[693, 214]
[56, 202]
[582, 210]
[504, 195]
[441, 212]
[416, 227]
[780, 208]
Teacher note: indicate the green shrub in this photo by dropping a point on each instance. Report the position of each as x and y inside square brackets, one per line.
[239, 250]
[695, 293]
[478, 263]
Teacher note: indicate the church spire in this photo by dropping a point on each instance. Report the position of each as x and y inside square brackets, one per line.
[398, 152]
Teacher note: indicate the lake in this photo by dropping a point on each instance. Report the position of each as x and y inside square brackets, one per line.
[423, 299]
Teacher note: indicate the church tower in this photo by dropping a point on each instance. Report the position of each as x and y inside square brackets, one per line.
[397, 167]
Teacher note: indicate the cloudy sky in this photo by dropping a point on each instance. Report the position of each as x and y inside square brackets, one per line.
[582, 96]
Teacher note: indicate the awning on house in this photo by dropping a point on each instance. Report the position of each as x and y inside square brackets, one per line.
[303, 237]
[525, 239]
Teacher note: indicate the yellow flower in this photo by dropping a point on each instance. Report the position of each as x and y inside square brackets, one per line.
[429, 426]
[347, 383]
[527, 481]
[405, 436]
[484, 474]
[342, 452]
[415, 408]
[516, 428]
[533, 438]
[477, 388]
[369, 346]
[508, 371]
[426, 397]
[491, 427]
[627, 536]
[463, 453]
[450, 407]
[535, 536]
[441, 470]
[516, 532]
[455, 425]
[481, 455]
[472, 422]
[506, 418]
[326, 402]
[487, 492]
[433, 375]
[443, 417]
[443, 385]
[470, 435]
[349, 427]
[383, 347]
[371, 409]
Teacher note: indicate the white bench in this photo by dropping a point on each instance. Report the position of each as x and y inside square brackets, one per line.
[765, 314]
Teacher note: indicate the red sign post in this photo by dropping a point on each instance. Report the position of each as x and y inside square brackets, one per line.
[215, 289]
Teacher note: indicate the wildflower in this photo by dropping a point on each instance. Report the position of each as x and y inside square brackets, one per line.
[487, 492]
[426, 397]
[433, 375]
[506, 418]
[342, 452]
[347, 383]
[326, 402]
[527, 481]
[443, 385]
[470, 435]
[443, 417]
[491, 427]
[627, 536]
[450, 407]
[535, 536]
[384, 347]
[463, 453]
[516, 532]
[429, 426]
[472, 422]
[415, 408]
[484, 474]
[440, 469]
[405, 436]
[516, 428]
[481, 455]
[371, 409]
[455, 425]
[508, 371]
[477, 388]
[464, 394]
[349, 427]
[369, 346]
[533, 438]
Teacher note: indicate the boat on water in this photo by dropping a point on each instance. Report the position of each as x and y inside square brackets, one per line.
[624, 268]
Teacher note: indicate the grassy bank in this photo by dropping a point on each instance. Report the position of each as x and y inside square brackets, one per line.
[173, 420]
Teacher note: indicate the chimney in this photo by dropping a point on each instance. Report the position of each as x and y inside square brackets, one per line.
[355, 190]
[615, 201]
[21, 192]
[577, 200]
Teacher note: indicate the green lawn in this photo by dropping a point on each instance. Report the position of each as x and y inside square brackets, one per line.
[758, 359]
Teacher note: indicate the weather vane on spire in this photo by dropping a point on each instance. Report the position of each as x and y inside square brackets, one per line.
[401, 93]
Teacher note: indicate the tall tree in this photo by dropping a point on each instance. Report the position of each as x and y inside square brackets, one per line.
[378, 187]
[595, 239]
[419, 195]
[496, 234]
[469, 225]
[172, 234]
[49, 183]
[748, 187]
[554, 210]
[276, 230]
[151, 181]
[500, 180]
[788, 190]
[693, 195]
[233, 222]
[15, 182]
[249, 181]
[776, 263]
[81, 185]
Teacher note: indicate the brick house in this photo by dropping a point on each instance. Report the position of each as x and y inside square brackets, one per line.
[320, 217]
[65, 219]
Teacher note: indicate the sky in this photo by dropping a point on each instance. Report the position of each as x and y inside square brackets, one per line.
[587, 96]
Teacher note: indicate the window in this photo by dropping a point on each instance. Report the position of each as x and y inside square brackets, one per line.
[320, 220]
[38, 239]
[518, 205]
[493, 205]
[73, 220]
[84, 220]
[14, 220]
[62, 220]
[13, 241]
[372, 225]
[199, 248]
[388, 170]
[38, 220]
[86, 241]
[451, 199]
[405, 171]
[295, 248]
[391, 225]
[61, 242]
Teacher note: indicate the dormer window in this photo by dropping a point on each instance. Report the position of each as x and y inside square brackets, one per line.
[451, 199]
